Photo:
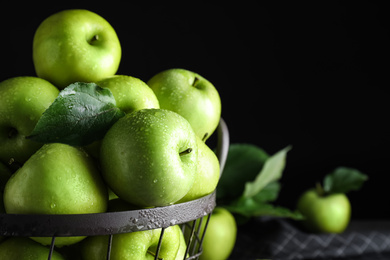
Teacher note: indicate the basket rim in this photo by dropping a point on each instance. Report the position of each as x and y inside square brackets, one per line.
[62, 225]
[106, 223]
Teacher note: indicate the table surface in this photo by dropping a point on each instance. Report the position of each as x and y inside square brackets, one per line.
[276, 238]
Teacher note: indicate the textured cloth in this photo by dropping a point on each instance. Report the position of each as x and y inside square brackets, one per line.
[281, 239]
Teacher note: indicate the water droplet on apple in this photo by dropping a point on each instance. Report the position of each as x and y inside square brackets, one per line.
[140, 226]
[155, 181]
[52, 205]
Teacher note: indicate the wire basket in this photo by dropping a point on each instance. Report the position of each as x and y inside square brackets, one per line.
[189, 215]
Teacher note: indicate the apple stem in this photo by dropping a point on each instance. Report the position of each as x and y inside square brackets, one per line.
[94, 39]
[320, 189]
[196, 80]
[189, 150]
[12, 133]
[14, 165]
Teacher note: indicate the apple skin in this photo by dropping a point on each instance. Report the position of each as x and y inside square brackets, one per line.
[66, 50]
[130, 93]
[207, 173]
[57, 179]
[5, 174]
[324, 214]
[190, 95]
[22, 102]
[24, 248]
[142, 157]
[220, 237]
[136, 245]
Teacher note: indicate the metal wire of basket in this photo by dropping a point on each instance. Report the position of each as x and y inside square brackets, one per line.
[189, 215]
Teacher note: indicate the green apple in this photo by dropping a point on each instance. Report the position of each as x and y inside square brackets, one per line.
[148, 157]
[75, 46]
[130, 93]
[22, 102]
[220, 237]
[324, 213]
[23, 248]
[5, 174]
[190, 95]
[207, 173]
[57, 179]
[136, 245]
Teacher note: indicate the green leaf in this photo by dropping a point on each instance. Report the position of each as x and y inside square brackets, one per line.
[81, 114]
[249, 207]
[243, 163]
[268, 193]
[250, 182]
[272, 171]
[343, 180]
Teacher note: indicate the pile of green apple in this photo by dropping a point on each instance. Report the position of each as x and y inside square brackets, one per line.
[59, 154]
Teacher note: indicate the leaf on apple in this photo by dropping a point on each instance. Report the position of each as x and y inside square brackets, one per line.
[80, 115]
[343, 180]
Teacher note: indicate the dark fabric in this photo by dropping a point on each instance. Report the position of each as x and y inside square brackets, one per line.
[275, 238]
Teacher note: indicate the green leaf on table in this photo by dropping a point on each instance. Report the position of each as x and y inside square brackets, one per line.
[271, 171]
[343, 180]
[243, 163]
[82, 113]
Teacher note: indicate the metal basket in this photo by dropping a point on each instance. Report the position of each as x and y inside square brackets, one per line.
[188, 214]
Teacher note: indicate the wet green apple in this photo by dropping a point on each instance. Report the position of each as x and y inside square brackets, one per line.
[324, 213]
[148, 157]
[190, 95]
[130, 93]
[75, 46]
[57, 179]
[23, 248]
[207, 173]
[22, 102]
[137, 245]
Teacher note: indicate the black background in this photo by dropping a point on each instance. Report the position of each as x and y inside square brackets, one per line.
[312, 75]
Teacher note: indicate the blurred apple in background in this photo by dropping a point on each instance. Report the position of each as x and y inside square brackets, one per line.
[326, 208]
[324, 214]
